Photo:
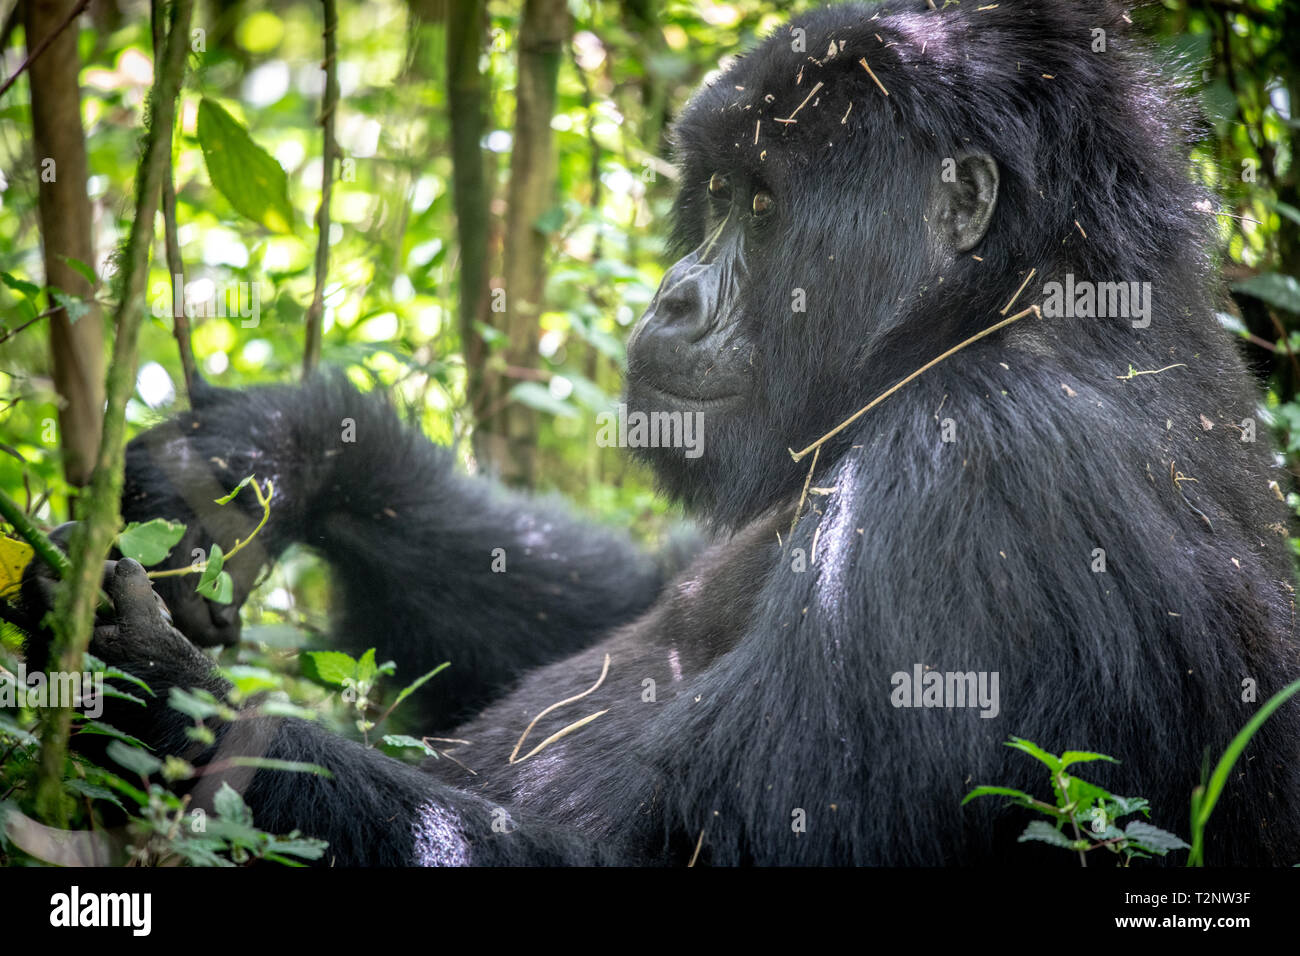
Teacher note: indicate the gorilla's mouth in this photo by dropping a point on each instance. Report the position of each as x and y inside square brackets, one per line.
[700, 402]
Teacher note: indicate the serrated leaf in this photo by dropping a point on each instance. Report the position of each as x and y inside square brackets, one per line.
[1082, 756]
[229, 805]
[74, 306]
[1044, 832]
[327, 667]
[366, 667]
[149, 542]
[1052, 761]
[1153, 838]
[248, 176]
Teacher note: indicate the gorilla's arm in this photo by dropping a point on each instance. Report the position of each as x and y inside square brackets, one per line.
[430, 564]
[373, 810]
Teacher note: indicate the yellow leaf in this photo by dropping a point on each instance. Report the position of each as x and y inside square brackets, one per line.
[15, 555]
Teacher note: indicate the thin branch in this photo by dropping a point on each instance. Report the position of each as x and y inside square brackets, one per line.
[329, 109]
[44, 315]
[175, 264]
[41, 47]
[798, 455]
[74, 607]
[558, 704]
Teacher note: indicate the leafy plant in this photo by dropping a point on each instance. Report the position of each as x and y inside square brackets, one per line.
[1091, 813]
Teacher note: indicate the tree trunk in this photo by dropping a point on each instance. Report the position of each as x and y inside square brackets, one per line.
[509, 439]
[466, 102]
[77, 349]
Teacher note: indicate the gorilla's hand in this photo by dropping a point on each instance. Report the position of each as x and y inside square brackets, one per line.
[135, 633]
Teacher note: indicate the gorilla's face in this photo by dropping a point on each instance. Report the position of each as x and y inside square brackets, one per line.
[813, 224]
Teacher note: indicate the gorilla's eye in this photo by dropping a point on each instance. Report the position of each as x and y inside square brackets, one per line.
[763, 203]
[719, 188]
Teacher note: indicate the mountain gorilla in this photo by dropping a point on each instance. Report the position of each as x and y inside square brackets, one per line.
[1073, 511]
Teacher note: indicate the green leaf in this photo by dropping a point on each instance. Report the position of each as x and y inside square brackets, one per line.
[214, 583]
[289, 766]
[550, 221]
[86, 271]
[98, 727]
[1082, 756]
[229, 805]
[20, 286]
[985, 791]
[133, 758]
[150, 541]
[246, 174]
[73, 305]
[1044, 832]
[366, 668]
[1052, 762]
[331, 668]
[192, 706]
[1153, 838]
[1279, 291]
[226, 499]
[1285, 209]
[538, 396]
[91, 790]
[412, 687]
[402, 741]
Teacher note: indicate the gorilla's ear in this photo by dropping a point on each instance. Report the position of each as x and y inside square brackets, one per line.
[963, 204]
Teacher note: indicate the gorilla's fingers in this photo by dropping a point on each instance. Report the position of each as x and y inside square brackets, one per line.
[133, 597]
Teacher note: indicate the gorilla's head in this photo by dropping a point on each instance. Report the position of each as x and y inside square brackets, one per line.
[860, 193]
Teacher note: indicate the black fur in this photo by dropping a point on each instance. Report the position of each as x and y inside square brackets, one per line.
[773, 685]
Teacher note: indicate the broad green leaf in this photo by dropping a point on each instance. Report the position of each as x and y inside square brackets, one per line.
[86, 271]
[133, 758]
[92, 790]
[150, 541]
[21, 286]
[1052, 762]
[1082, 756]
[191, 705]
[327, 667]
[246, 174]
[1279, 291]
[538, 396]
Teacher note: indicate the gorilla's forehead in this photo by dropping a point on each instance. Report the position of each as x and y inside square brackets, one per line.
[802, 90]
